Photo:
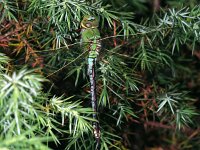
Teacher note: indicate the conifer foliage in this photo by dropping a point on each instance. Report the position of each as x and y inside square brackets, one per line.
[147, 75]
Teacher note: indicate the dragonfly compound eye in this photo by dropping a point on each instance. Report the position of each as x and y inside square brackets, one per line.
[91, 18]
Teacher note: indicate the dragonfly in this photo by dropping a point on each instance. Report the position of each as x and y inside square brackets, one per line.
[90, 36]
[91, 45]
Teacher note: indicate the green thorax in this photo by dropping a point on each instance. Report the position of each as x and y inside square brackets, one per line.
[90, 35]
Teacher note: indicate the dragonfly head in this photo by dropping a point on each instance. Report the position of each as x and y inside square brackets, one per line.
[89, 21]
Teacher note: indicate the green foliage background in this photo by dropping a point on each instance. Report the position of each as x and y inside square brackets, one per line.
[147, 75]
